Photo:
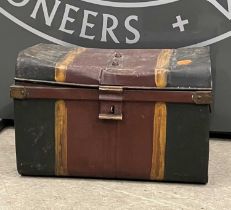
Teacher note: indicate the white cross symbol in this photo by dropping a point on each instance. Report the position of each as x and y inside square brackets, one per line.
[180, 23]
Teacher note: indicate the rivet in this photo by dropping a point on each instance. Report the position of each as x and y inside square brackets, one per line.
[115, 63]
[118, 55]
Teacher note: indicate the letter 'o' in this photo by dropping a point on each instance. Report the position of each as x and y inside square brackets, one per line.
[18, 4]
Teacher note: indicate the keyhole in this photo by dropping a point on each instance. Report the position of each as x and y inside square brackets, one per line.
[112, 109]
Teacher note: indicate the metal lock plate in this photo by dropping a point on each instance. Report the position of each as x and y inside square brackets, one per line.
[110, 99]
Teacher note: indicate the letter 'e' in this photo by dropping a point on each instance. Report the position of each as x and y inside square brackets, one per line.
[87, 24]
[66, 18]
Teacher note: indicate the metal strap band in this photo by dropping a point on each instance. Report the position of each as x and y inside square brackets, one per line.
[162, 68]
[160, 117]
[62, 66]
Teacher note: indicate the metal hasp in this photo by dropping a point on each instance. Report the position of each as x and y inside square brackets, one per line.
[110, 99]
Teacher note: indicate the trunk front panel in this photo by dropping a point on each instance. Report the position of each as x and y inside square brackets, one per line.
[107, 148]
[134, 148]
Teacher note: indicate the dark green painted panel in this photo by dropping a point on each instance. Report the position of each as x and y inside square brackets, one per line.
[194, 75]
[35, 140]
[187, 149]
[39, 62]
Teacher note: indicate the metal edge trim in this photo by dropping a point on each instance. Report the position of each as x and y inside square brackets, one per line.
[97, 86]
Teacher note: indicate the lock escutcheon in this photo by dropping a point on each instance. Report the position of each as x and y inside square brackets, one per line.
[110, 103]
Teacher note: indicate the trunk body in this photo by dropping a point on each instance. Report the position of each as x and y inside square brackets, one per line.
[124, 114]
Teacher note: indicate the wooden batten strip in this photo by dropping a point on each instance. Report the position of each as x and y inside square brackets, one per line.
[160, 117]
[61, 114]
[61, 138]
[162, 67]
[159, 141]
[62, 65]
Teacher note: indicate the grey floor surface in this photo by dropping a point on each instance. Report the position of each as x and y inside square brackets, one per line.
[18, 192]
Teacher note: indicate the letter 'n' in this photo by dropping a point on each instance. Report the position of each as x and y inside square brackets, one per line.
[48, 18]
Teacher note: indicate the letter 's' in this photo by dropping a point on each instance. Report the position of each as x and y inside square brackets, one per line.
[132, 30]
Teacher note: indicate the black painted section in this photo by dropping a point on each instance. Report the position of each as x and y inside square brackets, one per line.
[38, 62]
[35, 140]
[195, 75]
[187, 149]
